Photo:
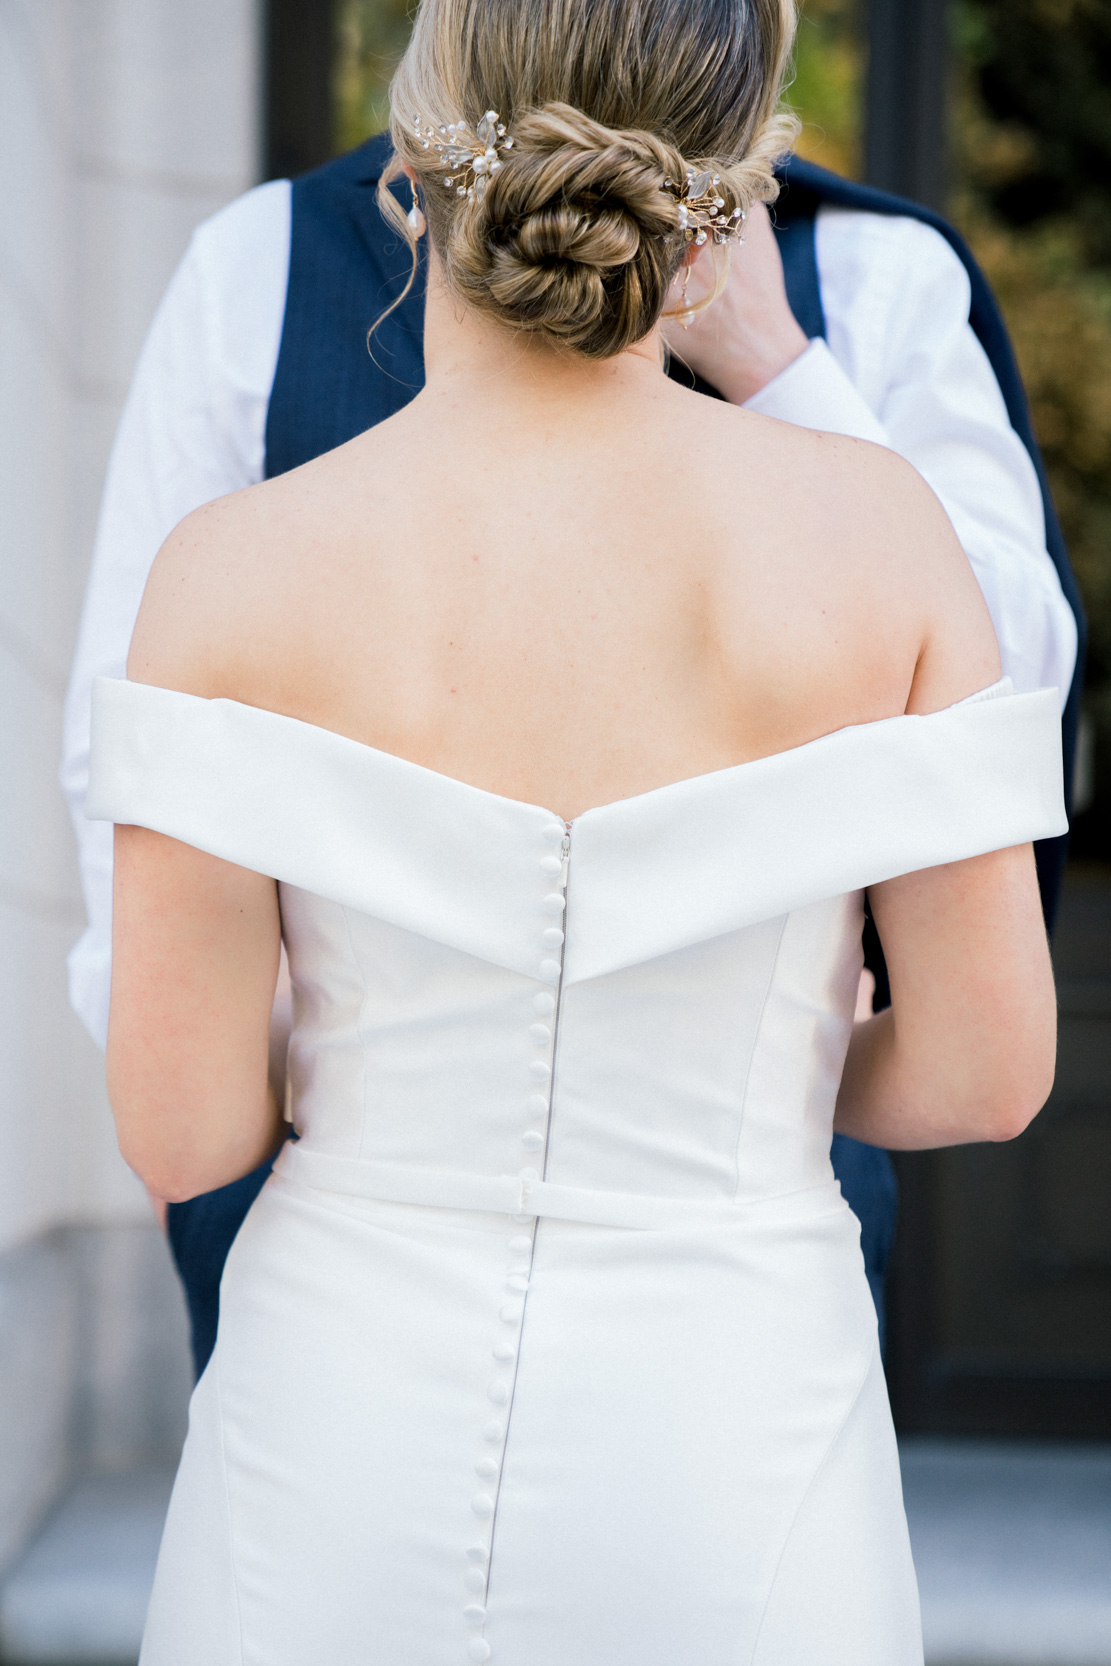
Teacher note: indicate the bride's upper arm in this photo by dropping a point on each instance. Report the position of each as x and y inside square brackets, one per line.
[196, 940]
[196, 944]
[971, 982]
[958, 652]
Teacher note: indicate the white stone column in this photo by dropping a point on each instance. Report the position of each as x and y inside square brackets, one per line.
[122, 124]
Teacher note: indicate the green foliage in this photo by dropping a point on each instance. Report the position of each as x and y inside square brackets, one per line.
[827, 91]
[1032, 163]
[372, 35]
[1043, 73]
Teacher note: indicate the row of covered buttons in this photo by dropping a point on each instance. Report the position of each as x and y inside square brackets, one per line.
[552, 866]
[553, 903]
[499, 1390]
[488, 1468]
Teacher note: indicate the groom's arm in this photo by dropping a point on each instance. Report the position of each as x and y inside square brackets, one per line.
[903, 368]
[897, 300]
[192, 429]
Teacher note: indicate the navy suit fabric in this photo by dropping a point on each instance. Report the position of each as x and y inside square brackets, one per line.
[331, 383]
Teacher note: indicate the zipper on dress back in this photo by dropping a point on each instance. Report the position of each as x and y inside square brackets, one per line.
[564, 885]
[502, 1390]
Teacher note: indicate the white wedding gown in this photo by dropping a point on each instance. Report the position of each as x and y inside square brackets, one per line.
[549, 1343]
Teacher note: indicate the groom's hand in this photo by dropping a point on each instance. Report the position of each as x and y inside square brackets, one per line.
[749, 335]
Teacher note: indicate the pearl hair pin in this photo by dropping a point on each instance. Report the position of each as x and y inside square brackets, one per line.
[470, 159]
[701, 209]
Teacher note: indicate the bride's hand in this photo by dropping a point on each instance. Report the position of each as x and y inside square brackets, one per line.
[749, 334]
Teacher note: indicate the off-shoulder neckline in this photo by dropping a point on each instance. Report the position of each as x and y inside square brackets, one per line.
[729, 772]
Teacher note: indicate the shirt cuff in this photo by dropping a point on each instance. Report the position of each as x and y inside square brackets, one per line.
[814, 392]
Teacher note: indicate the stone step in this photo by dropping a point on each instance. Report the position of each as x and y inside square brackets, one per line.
[1012, 1542]
[78, 1595]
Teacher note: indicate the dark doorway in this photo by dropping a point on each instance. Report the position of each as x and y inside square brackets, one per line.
[300, 105]
[1000, 1295]
[1000, 1303]
[906, 146]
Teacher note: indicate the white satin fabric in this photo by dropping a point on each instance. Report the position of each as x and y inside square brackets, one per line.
[549, 1343]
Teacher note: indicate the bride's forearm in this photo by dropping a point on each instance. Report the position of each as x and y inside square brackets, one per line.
[871, 1099]
[894, 1096]
[195, 960]
[966, 1050]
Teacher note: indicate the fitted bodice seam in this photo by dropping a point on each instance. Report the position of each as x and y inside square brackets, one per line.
[361, 1024]
[214, 1367]
[752, 1051]
[754, 1657]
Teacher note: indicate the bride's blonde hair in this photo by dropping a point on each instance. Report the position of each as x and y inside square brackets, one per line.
[575, 237]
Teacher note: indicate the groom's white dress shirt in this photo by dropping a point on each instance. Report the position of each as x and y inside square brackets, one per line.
[902, 367]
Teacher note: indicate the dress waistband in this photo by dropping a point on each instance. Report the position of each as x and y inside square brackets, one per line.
[526, 1199]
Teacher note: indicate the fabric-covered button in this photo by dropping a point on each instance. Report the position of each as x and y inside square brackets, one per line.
[553, 833]
[532, 1140]
[504, 1351]
[540, 1070]
[517, 1282]
[537, 1104]
[549, 971]
[482, 1504]
[478, 1651]
[477, 1553]
[494, 1431]
[524, 1218]
[474, 1614]
[474, 1580]
[552, 937]
[550, 864]
[553, 903]
[543, 1003]
[540, 1033]
[520, 1244]
[497, 1391]
[487, 1468]
[510, 1312]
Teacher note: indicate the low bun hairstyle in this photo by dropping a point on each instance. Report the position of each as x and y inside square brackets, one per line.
[575, 237]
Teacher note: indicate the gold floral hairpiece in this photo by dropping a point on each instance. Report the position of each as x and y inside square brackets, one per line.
[701, 210]
[470, 160]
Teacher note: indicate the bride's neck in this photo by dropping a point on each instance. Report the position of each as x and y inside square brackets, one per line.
[467, 355]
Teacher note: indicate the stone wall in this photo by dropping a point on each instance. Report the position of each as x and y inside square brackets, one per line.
[122, 124]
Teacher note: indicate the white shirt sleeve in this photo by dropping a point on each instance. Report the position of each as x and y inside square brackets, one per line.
[904, 367]
[193, 428]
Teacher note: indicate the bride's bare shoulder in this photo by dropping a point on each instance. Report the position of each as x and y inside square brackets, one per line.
[219, 567]
[232, 575]
[863, 536]
[833, 480]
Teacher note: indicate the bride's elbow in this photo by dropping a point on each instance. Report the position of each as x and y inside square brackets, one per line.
[189, 1136]
[1019, 1088]
[175, 1176]
[172, 1176]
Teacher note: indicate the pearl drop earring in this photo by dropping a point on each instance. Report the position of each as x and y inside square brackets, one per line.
[415, 216]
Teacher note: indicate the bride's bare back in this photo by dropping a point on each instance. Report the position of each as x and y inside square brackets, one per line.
[569, 581]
